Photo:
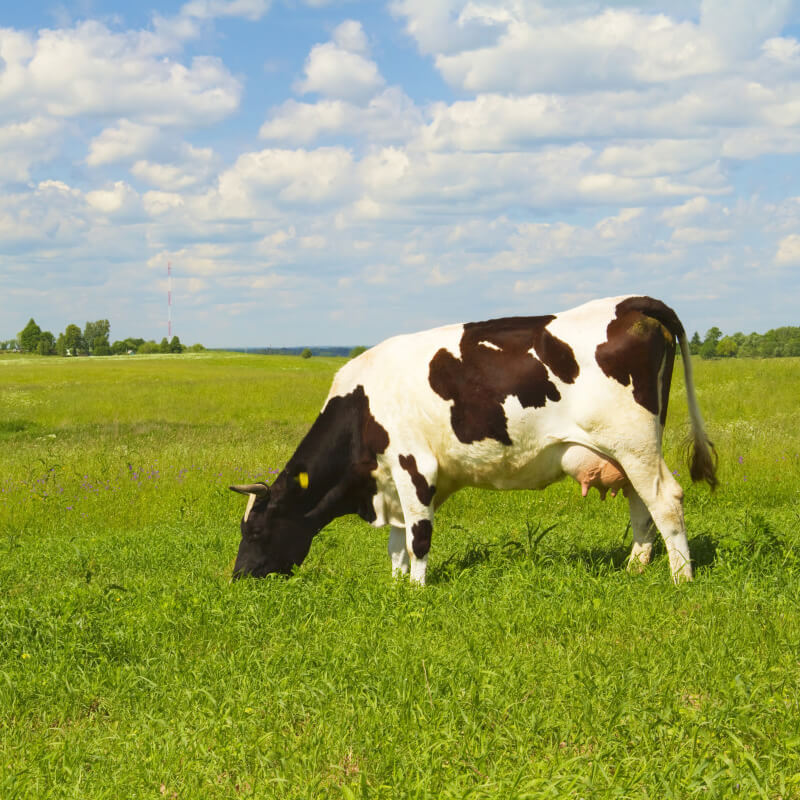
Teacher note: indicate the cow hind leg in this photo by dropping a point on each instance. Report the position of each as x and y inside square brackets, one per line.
[662, 496]
[644, 532]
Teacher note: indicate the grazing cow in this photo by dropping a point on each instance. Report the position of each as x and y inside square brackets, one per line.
[513, 403]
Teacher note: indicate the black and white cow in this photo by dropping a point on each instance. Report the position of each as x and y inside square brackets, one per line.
[514, 403]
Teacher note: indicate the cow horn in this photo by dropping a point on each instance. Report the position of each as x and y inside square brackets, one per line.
[258, 489]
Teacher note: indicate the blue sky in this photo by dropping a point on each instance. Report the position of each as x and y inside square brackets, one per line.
[335, 171]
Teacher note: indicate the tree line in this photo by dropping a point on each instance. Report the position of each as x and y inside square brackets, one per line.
[93, 340]
[774, 343]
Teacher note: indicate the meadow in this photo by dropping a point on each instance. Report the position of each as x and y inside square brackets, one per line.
[533, 665]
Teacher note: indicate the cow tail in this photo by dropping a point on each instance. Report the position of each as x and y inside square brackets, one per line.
[701, 452]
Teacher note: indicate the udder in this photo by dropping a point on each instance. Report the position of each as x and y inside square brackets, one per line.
[592, 469]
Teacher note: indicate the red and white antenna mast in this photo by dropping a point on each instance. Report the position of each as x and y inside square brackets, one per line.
[169, 301]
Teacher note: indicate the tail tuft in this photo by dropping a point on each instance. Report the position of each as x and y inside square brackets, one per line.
[703, 459]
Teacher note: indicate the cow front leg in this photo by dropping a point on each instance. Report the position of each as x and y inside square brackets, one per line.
[415, 479]
[418, 543]
[644, 532]
[398, 552]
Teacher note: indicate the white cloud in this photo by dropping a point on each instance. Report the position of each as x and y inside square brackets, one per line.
[665, 156]
[208, 9]
[119, 198]
[24, 144]
[740, 26]
[157, 203]
[620, 227]
[340, 69]
[350, 36]
[437, 277]
[678, 215]
[782, 50]
[693, 235]
[443, 26]
[533, 285]
[91, 71]
[123, 141]
[388, 117]
[751, 142]
[49, 216]
[788, 254]
[286, 177]
[613, 48]
[524, 47]
[193, 166]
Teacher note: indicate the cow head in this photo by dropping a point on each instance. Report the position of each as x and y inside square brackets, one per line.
[273, 540]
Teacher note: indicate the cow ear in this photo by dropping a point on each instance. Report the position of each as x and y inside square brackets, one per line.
[258, 489]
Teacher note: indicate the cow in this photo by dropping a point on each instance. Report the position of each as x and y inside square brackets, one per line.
[513, 403]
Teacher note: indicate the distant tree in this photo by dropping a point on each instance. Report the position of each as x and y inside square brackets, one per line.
[74, 343]
[695, 344]
[748, 347]
[726, 347]
[196, 348]
[164, 346]
[769, 346]
[357, 351]
[129, 345]
[306, 353]
[175, 345]
[148, 347]
[61, 345]
[95, 335]
[47, 344]
[709, 346]
[29, 337]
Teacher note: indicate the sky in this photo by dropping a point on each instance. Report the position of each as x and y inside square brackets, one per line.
[334, 172]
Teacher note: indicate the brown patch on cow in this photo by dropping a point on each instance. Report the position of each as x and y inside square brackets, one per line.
[555, 354]
[496, 362]
[422, 532]
[640, 340]
[425, 492]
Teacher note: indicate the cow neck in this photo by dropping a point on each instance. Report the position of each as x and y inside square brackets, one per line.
[331, 472]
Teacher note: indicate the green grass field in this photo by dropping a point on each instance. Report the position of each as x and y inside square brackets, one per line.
[530, 667]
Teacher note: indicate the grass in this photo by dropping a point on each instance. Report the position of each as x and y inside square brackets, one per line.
[531, 666]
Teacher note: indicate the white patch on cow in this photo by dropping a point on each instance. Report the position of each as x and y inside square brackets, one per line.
[251, 500]
[490, 345]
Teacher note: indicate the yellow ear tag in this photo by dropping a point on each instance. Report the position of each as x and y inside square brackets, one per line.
[302, 479]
